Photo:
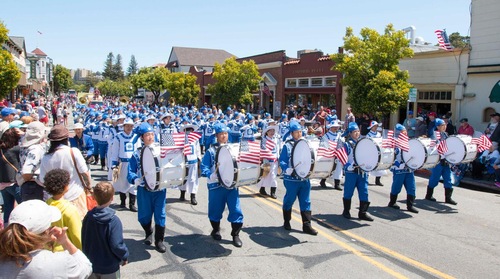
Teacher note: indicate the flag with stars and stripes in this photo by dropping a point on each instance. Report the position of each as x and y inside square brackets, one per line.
[402, 142]
[388, 142]
[249, 152]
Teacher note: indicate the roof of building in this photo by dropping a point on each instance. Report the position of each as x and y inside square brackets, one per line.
[188, 56]
[39, 52]
[19, 41]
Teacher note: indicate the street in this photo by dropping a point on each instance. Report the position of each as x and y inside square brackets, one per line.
[442, 241]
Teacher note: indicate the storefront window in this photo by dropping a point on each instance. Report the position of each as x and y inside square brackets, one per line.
[303, 82]
[291, 82]
[331, 81]
[316, 82]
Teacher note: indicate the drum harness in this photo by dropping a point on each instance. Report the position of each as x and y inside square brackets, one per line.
[357, 169]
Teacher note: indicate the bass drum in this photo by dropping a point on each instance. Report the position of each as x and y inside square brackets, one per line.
[421, 155]
[323, 166]
[460, 149]
[249, 173]
[173, 167]
[150, 167]
[369, 155]
[226, 166]
[302, 159]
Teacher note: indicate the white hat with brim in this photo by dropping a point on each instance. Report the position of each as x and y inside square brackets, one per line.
[182, 128]
[78, 126]
[35, 215]
[271, 127]
[35, 133]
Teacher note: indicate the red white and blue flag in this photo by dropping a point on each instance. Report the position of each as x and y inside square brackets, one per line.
[249, 152]
[402, 142]
[341, 154]
[443, 40]
[265, 90]
[483, 143]
[442, 147]
[388, 142]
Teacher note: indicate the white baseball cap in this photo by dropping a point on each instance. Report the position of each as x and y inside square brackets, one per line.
[35, 215]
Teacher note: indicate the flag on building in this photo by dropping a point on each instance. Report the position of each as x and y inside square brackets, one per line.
[443, 40]
[249, 152]
[388, 142]
[402, 142]
[266, 90]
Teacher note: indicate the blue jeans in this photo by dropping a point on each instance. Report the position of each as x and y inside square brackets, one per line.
[10, 195]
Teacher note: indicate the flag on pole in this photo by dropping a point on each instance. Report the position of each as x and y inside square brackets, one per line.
[483, 143]
[442, 147]
[174, 140]
[249, 152]
[193, 136]
[188, 149]
[443, 41]
[402, 142]
[265, 89]
[270, 144]
[341, 154]
[388, 142]
[39, 32]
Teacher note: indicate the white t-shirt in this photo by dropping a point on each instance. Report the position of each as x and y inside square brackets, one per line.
[61, 159]
[41, 112]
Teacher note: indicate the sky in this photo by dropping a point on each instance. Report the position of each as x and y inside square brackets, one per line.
[80, 34]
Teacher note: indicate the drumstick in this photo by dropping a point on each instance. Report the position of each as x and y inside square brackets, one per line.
[300, 162]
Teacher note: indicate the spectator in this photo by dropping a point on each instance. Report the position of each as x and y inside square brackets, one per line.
[349, 117]
[420, 128]
[410, 124]
[9, 164]
[493, 128]
[102, 235]
[450, 129]
[57, 184]
[431, 126]
[465, 128]
[7, 117]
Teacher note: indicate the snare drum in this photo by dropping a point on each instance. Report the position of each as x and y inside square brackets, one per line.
[460, 149]
[150, 167]
[369, 155]
[173, 167]
[226, 166]
[323, 166]
[302, 159]
[421, 155]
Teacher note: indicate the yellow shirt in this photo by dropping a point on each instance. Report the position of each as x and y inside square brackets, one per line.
[69, 218]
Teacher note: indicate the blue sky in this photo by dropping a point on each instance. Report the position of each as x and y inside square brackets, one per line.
[80, 34]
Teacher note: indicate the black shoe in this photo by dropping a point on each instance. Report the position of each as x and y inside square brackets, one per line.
[347, 207]
[322, 183]
[337, 185]
[131, 203]
[410, 200]
[235, 232]
[123, 200]
[428, 195]
[183, 195]
[193, 199]
[377, 181]
[149, 234]
[306, 223]
[159, 237]
[287, 216]
[273, 193]
[215, 230]
[447, 194]
[262, 191]
[392, 202]
[363, 214]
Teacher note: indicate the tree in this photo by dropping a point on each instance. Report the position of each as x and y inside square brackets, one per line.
[62, 79]
[9, 73]
[235, 82]
[183, 88]
[108, 66]
[458, 41]
[154, 80]
[118, 68]
[373, 80]
[109, 87]
[132, 66]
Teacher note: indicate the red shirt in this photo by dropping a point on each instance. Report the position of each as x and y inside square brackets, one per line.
[466, 130]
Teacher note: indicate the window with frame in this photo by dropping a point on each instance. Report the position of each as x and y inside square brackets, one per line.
[316, 82]
[291, 82]
[303, 82]
[330, 81]
[435, 95]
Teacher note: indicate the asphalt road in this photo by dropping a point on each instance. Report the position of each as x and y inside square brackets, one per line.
[442, 241]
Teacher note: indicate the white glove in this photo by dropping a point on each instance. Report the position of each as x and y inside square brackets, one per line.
[137, 182]
[289, 171]
[413, 128]
[213, 176]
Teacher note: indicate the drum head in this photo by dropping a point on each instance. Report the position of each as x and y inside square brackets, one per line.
[226, 167]
[457, 150]
[415, 157]
[302, 159]
[367, 154]
[150, 168]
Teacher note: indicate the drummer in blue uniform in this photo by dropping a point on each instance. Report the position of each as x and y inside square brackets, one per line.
[355, 178]
[295, 186]
[219, 196]
[402, 175]
[442, 169]
[149, 201]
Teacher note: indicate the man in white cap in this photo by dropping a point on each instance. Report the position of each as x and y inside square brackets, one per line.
[83, 142]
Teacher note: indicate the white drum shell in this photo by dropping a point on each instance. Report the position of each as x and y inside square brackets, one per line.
[323, 166]
[369, 155]
[173, 168]
[421, 155]
[460, 149]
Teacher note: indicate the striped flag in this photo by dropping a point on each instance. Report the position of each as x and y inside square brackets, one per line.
[443, 41]
[483, 143]
[188, 149]
[193, 136]
[341, 154]
[172, 140]
[402, 142]
[164, 150]
[327, 151]
[249, 152]
[437, 135]
[270, 144]
[442, 147]
[389, 141]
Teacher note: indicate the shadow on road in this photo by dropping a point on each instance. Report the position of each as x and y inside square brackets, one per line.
[389, 213]
[271, 237]
[439, 207]
[197, 246]
[141, 252]
[339, 222]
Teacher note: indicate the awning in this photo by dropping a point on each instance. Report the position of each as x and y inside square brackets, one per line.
[495, 93]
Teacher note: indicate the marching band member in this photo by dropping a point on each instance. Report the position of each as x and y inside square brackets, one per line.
[373, 133]
[441, 169]
[94, 133]
[334, 135]
[294, 185]
[124, 145]
[270, 179]
[249, 129]
[208, 132]
[150, 201]
[354, 177]
[167, 127]
[402, 175]
[235, 126]
[192, 159]
[219, 196]
[102, 139]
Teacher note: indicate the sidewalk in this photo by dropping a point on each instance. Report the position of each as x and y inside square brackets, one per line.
[488, 185]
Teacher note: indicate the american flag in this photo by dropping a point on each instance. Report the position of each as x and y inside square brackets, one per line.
[437, 135]
[265, 89]
[173, 140]
[402, 142]
[483, 143]
[442, 147]
[267, 147]
[270, 144]
[249, 152]
[193, 136]
[389, 141]
[164, 150]
[443, 40]
[341, 154]
[327, 151]
[188, 149]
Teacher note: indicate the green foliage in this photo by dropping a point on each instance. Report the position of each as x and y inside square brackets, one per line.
[132, 66]
[9, 73]
[62, 79]
[109, 87]
[183, 88]
[458, 41]
[113, 68]
[235, 82]
[108, 66]
[373, 80]
[154, 80]
[118, 68]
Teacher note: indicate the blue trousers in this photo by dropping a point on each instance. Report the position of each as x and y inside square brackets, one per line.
[403, 178]
[356, 181]
[438, 171]
[10, 195]
[103, 149]
[297, 189]
[217, 200]
[149, 203]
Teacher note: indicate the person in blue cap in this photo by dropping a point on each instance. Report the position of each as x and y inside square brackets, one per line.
[250, 129]
[442, 169]
[208, 133]
[296, 187]
[150, 201]
[402, 175]
[102, 140]
[235, 126]
[355, 178]
[219, 196]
